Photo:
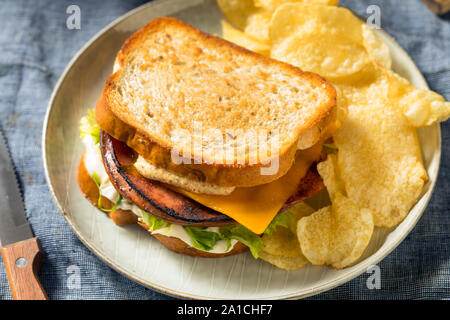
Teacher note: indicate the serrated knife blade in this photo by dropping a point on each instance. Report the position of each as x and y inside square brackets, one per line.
[21, 252]
[14, 226]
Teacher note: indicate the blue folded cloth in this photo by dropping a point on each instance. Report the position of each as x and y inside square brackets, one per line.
[36, 46]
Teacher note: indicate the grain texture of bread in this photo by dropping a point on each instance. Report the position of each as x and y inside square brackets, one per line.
[126, 217]
[172, 79]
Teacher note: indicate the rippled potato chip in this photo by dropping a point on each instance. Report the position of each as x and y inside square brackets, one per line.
[283, 242]
[273, 4]
[253, 17]
[322, 55]
[379, 158]
[305, 19]
[328, 171]
[254, 22]
[421, 107]
[327, 40]
[298, 211]
[257, 25]
[336, 235]
[281, 247]
[378, 143]
[377, 49]
[293, 263]
[240, 38]
[237, 11]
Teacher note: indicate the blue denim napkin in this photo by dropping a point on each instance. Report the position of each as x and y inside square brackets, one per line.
[35, 47]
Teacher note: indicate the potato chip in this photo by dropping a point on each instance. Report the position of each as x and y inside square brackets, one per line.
[328, 171]
[300, 210]
[254, 18]
[283, 262]
[319, 55]
[378, 143]
[257, 25]
[243, 15]
[283, 241]
[324, 39]
[305, 19]
[238, 37]
[314, 234]
[421, 107]
[377, 49]
[379, 157]
[328, 2]
[271, 5]
[281, 248]
[336, 235]
[237, 11]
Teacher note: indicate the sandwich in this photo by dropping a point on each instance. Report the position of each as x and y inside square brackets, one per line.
[203, 143]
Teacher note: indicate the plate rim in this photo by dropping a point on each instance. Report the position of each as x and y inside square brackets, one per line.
[371, 260]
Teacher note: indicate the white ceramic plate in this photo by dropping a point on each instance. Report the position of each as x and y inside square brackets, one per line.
[131, 250]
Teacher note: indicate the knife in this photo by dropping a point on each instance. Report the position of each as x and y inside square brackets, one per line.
[21, 252]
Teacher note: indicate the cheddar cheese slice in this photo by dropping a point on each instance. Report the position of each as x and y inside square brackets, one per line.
[256, 207]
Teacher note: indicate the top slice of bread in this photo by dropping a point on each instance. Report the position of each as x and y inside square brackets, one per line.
[174, 83]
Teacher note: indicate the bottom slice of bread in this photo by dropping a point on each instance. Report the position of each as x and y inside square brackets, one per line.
[125, 217]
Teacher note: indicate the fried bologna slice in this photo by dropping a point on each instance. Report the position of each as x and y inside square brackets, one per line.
[153, 196]
[173, 78]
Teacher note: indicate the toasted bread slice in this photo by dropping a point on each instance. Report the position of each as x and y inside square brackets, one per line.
[150, 171]
[174, 82]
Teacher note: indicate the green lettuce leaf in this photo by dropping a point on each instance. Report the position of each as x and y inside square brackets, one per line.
[96, 179]
[153, 222]
[282, 219]
[114, 208]
[330, 148]
[205, 240]
[88, 126]
[242, 234]
[98, 183]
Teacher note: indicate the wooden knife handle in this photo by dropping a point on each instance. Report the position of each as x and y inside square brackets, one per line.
[22, 261]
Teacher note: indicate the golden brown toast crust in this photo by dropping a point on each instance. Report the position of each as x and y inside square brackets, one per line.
[158, 151]
[221, 175]
[125, 217]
